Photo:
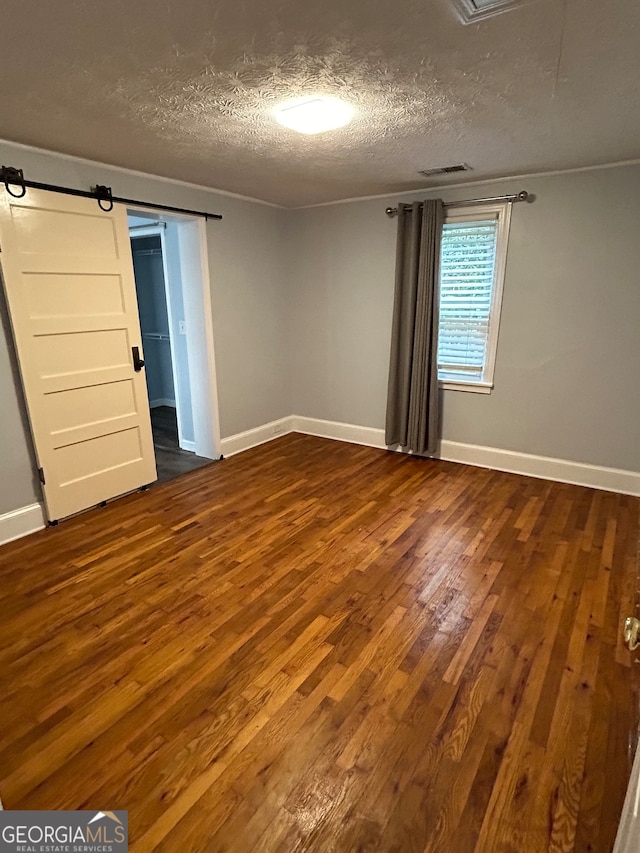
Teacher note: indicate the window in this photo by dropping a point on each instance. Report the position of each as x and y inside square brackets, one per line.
[472, 262]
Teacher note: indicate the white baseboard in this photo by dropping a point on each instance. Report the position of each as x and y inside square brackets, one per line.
[541, 467]
[21, 522]
[253, 437]
[342, 432]
[188, 445]
[162, 401]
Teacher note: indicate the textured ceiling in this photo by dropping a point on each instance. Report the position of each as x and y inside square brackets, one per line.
[184, 88]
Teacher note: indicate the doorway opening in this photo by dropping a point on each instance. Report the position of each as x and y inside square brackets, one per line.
[176, 340]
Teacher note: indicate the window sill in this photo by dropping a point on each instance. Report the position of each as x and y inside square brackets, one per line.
[474, 387]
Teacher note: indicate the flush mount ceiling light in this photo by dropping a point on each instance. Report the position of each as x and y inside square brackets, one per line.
[314, 115]
[471, 11]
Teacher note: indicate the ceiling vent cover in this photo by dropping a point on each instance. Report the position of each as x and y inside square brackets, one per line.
[445, 170]
[471, 11]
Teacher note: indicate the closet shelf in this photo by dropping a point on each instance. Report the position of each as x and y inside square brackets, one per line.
[155, 336]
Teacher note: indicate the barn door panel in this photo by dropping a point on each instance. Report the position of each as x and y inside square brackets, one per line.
[68, 277]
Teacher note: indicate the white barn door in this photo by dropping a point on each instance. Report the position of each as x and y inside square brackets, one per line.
[68, 277]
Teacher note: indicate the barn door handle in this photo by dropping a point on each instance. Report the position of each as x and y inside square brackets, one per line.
[138, 363]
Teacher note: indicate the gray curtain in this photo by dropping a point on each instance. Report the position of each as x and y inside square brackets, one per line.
[412, 402]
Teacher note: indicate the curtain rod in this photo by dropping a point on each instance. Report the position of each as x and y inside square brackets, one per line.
[11, 176]
[523, 195]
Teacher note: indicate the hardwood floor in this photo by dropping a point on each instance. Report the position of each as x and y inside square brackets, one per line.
[315, 646]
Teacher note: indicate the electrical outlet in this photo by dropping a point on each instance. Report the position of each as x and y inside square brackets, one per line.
[182, 327]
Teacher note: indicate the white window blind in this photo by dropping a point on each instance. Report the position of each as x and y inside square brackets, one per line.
[467, 281]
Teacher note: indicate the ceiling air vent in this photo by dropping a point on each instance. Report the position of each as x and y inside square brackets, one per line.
[471, 11]
[445, 170]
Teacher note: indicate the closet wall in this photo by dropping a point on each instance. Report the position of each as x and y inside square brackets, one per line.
[154, 321]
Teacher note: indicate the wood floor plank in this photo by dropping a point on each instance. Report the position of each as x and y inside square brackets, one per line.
[314, 647]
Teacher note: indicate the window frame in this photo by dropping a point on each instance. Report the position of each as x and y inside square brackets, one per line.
[471, 213]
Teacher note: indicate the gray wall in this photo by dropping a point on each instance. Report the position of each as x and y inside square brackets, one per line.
[18, 481]
[568, 362]
[248, 299]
